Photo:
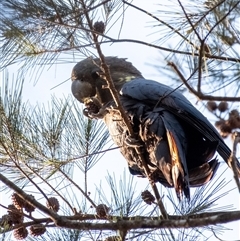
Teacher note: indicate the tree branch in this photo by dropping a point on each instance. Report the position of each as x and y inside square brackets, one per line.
[135, 41]
[222, 18]
[162, 22]
[233, 160]
[151, 223]
[138, 222]
[54, 216]
[198, 94]
[126, 121]
[189, 21]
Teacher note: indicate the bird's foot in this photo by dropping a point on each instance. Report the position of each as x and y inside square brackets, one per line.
[92, 115]
[93, 109]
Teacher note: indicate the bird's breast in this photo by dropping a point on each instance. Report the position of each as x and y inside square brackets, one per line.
[116, 126]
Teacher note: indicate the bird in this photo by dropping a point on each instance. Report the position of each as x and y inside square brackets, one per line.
[177, 141]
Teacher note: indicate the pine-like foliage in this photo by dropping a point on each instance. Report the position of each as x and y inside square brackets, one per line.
[49, 152]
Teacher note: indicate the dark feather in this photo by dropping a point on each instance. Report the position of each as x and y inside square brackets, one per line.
[153, 92]
[177, 142]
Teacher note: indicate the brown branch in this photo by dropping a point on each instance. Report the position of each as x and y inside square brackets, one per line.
[29, 199]
[79, 188]
[189, 21]
[150, 223]
[47, 183]
[12, 157]
[112, 40]
[126, 121]
[138, 222]
[209, 56]
[232, 162]
[200, 95]
[207, 215]
[209, 11]
[221, 19]
[162, 22]
[200, 59]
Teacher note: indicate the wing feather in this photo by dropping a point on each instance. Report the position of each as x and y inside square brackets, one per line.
[155, 92]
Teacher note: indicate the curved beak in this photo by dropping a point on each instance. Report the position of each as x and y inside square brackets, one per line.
[82, 90]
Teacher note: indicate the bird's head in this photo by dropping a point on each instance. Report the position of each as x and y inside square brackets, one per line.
[88, 80]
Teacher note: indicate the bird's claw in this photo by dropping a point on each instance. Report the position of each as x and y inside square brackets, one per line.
[132, 142]
[92, 115]
[94, 109]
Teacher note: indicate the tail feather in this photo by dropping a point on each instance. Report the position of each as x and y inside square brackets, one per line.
[203, 174]
[179, 175]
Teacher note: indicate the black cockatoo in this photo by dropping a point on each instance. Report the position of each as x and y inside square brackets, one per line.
[176, 140]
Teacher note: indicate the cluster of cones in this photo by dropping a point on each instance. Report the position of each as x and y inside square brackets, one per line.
[230, 122]
[15, 217]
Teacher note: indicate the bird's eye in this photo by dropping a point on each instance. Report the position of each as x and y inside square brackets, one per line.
[95, 75]
[81, 78]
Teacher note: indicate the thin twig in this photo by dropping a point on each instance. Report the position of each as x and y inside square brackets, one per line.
[77, 11]
[200, 59]
[22, 171]
[18, 212]
[91, 154]
[162, 22]
[79, 188]
[54, 216]
[221, 19]
[112, 40]
[190, 22]
[200, 95]
[232, 162]
[209, 11]
[182, 78]
[58, 193]
[28, 224]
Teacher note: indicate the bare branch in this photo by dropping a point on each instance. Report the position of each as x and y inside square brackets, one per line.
[189, 21]
[164, 23]
[79, 188]
[182, 222]
[54, 189]
[112, 40]
[233, 160]
[221, 19]
[29, 199]
[200, 95]
[126, 121]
